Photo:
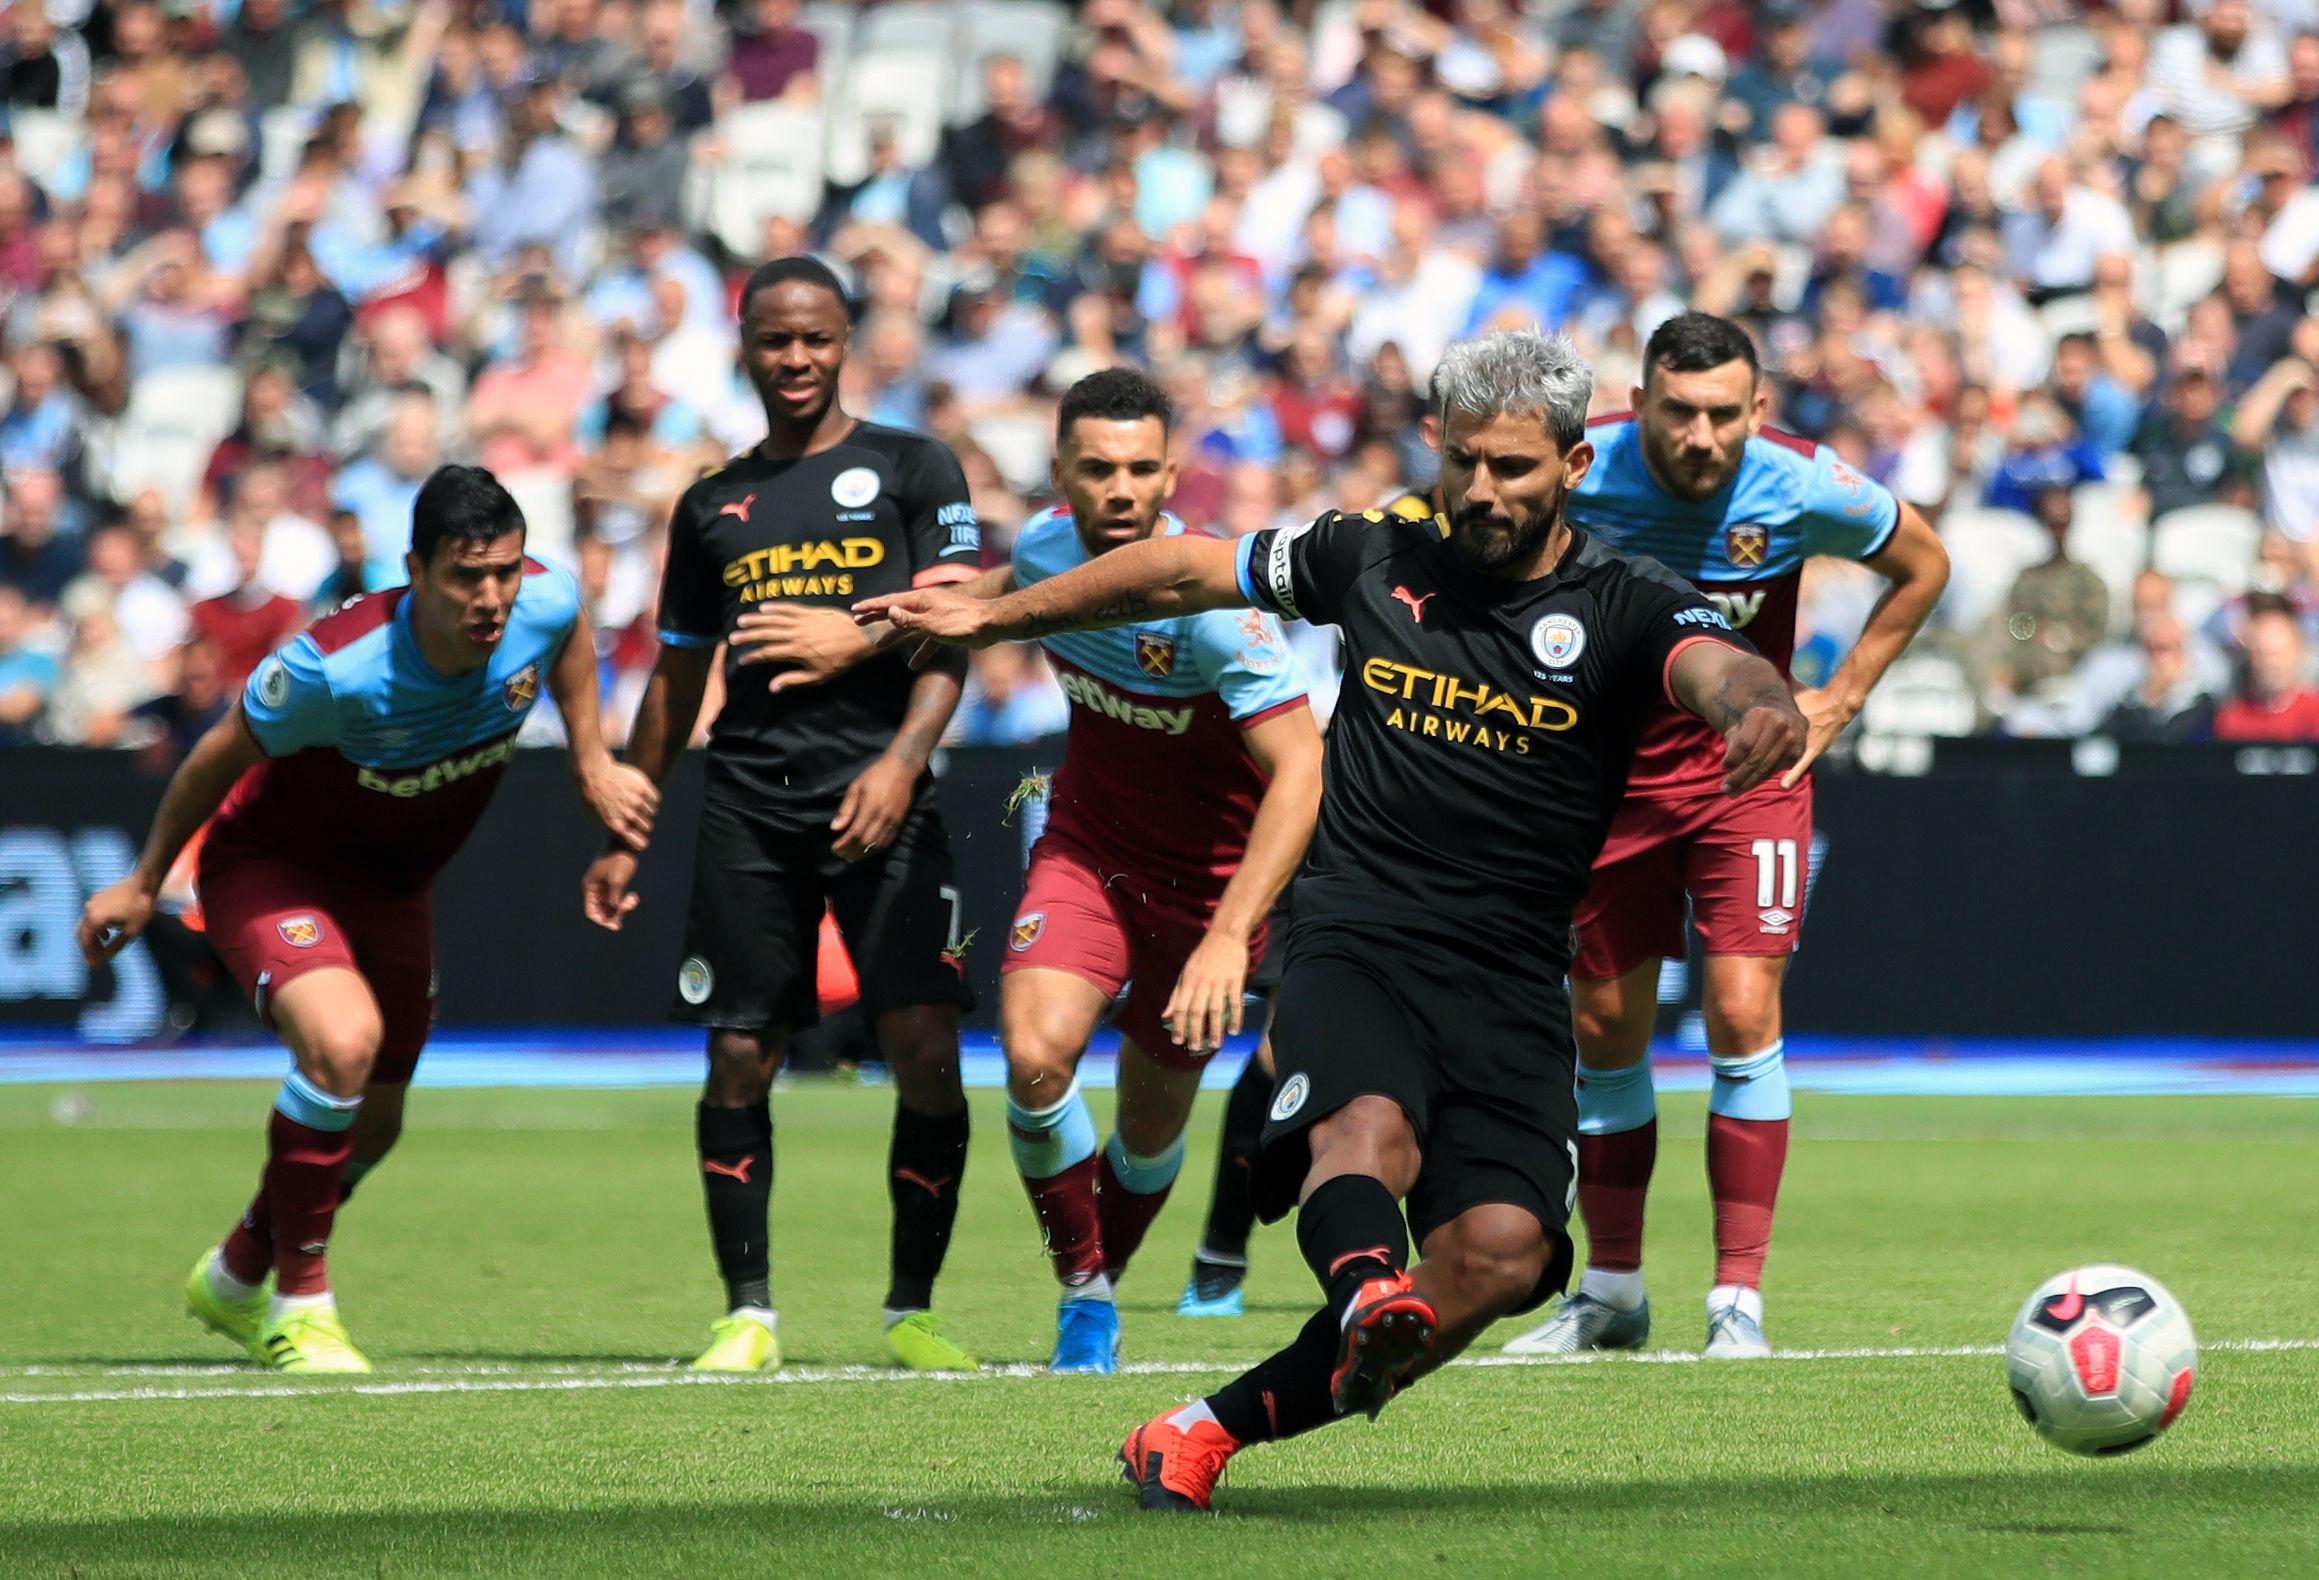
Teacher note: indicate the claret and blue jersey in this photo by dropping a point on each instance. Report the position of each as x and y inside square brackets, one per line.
[1744, 546]
[375, 758]
[1156, 766]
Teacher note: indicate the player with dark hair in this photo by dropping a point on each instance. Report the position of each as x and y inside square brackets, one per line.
[1185, 799]
[359, 757]
[1694, 480]
[1501, 663]
[817, 799]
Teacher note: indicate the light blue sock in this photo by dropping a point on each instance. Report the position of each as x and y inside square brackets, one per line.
[1144, 1176]
[303, 1101]
[1046, 1141]
[1612, 1101]
[1751, 1085]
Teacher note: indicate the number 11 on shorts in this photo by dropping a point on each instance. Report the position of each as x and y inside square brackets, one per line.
[1775, 872]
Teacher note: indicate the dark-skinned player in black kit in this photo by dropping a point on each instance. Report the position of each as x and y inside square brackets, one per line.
[817, 797]
[1499, 666]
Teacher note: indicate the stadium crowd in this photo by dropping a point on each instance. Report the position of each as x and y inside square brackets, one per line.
[2041, 268]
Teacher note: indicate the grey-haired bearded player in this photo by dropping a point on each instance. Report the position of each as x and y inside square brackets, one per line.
[1499, 666]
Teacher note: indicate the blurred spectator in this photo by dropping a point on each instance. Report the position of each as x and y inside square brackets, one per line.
[395, 354]
[149, 612]
[523, 411]
[2053, 242]
[979, 155]
[2167, 702]
[2055, 613]
[182, 715]
[1788, 189]
[35, 558]
[277, 422]
[1011, 699]
[44, 68]
[2215, 74]
[772, 57]
[2115, 672]
[104, 682]
[2279, 420]
[380, 486]
[241, 626]
[43, 427]
[2274, 701]
[295, 554]
[2102, 409]
[644, 170]
[2044, 454]
[2184, 445]
[28, 671]
[539, 188]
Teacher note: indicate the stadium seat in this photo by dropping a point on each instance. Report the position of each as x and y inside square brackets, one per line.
[44, 141]
[2108, 532]
[1987, 550]
[908, 25]
[175, 418]
[282, 135]
[1019, 445]
[1921, 694]
[831, 22]
[1030, 30]
[2209, 550]
[904, 86]
[772, 164]
[2062, 56]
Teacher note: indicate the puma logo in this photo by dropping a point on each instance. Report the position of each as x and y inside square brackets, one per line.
[1416, 604]
[933, 1188]
[738, 507]
[734, 1171]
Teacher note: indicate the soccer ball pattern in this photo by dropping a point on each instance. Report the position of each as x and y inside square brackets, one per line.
[2101, 1359]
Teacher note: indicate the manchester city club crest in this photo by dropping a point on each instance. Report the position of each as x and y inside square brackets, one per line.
[1746, 542]
[520, 689]
[299, 932]
[1558, 639]
[1155, 655]
[1026, 930]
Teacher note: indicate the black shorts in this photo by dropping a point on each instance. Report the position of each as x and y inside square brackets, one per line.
[1482, 1062]
[752, 937]
[1264, 981]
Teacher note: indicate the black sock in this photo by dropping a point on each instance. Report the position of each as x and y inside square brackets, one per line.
[1286, 1395]
[1351, 1231]
[1232, 1209]
[736, 1147]
[922, 1175]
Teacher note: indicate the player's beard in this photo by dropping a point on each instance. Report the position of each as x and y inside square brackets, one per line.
[1486, 547]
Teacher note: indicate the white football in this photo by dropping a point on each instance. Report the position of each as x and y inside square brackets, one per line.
[2101, 1359]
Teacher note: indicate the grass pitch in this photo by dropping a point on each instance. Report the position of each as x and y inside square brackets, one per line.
[527, 1266]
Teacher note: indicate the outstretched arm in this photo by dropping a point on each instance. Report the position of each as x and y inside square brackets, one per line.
[622, 799]
[116, 914]
[819, 643]
[1152, 580]
[1917, 568]
[1744, 699]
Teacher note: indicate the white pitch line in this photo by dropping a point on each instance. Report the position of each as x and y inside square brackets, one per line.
[491, 1378]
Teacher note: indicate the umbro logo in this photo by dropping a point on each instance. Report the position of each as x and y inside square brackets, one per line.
[738, 507]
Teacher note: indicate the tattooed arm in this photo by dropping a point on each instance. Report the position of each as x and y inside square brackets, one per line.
[1157, 579]
[1742, 696]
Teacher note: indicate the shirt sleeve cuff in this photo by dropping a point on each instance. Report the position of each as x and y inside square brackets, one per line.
[1243, 554]
[1667, 674]
[945, 575]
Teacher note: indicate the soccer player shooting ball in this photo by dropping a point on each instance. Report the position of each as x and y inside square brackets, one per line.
[1500, 666]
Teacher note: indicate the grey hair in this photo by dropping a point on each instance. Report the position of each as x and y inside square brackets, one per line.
[1517, 370]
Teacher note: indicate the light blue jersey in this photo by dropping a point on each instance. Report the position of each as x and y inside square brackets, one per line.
[1157, 775]
[375, 755]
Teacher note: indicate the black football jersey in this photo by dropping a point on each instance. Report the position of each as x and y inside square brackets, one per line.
[880, 512]
[1482, 737]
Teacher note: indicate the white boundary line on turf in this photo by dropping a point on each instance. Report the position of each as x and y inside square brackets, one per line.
[493, 1378]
